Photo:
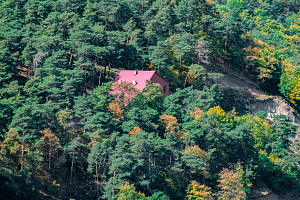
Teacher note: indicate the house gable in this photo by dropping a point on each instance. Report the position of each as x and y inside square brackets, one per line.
[139, 80]
[164, 84]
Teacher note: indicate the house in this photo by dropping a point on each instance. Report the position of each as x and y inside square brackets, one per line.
[139, 79]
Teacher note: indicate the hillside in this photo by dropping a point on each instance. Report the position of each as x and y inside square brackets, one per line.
[229, 124]
[247, 96]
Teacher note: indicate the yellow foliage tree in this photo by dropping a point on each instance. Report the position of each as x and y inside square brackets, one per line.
[221, 115]
[63, 117]
[11, 150]
[295, 92]
[50, 147]
[217, 110]
[272, 157]
[127, 192]
[196, 151]
[196, 191]
[261, 130]
[197, 113]
[265, 61]
[290, 83]
[231, 185]
[116, 111]
[135, 130]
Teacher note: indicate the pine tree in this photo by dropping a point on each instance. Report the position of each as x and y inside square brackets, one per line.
[121, 167]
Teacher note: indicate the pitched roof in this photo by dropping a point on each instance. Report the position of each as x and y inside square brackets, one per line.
[139, 77]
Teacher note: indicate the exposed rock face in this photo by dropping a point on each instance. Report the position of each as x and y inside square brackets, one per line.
[260, 191]
[247, 97]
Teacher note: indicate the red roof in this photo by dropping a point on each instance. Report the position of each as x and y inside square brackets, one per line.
[138, 78]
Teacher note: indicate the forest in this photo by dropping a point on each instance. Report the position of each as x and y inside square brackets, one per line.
[64, 136]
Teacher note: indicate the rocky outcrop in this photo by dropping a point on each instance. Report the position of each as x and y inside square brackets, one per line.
[260, 191]
[247, 97]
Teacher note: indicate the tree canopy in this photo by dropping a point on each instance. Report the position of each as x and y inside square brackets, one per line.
[63, 135]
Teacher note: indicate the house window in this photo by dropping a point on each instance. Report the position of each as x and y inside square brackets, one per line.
[165, 88]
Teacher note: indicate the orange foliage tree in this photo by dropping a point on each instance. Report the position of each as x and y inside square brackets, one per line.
[50, 147]
[171, 124]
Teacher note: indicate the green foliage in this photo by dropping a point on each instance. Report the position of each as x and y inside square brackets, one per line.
[184, 101]
[127, 191]
[294, 148]
[158, 196]
[277, 178]
[65, 135]
[144, 119]
[283, 130]
[260, 129]
[195, 160]
[53, 188]
[151, 98]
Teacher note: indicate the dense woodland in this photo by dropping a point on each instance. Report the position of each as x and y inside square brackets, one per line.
[64, 137]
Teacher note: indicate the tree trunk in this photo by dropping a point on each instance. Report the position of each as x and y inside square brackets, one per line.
[70, 61]
[97, 173]
[186, 79]
[49, 160]
[109, 71]
[226, 42]
[97, 181]
[113, 191]
[23, 150]
[85, 77]
[72, 165]
[104, 75]
[100, 75]
[93, 78]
